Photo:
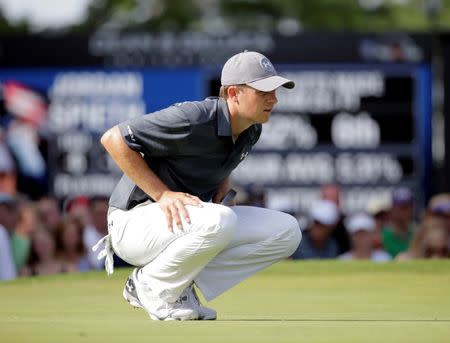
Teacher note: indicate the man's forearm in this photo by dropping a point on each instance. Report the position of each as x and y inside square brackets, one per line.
[132, 164]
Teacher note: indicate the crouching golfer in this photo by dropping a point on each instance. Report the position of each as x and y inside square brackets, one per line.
[165, 215]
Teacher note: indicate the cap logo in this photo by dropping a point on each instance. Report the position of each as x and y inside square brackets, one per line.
[267, 66]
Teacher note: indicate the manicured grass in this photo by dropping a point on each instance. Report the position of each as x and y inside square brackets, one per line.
[290, 302]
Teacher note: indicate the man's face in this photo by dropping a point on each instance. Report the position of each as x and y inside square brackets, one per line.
[402, 212]
[332, 193]
[362, 240]
[320, 233]
[254, 105]
[49, 211]
[8, 216]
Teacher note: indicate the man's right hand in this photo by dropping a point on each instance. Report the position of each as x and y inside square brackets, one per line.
[173, 205]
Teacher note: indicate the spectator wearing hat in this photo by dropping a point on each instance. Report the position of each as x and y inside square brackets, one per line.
[332, 192]
[7, 222]
[398, 233]
[379, 208]
[361, 228]
[317, 241]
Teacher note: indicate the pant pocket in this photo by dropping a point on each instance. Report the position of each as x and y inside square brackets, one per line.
[116, 229]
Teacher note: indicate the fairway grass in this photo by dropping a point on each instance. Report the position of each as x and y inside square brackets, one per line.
[289, 302]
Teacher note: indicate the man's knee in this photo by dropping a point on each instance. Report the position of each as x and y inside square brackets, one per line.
[292, 234]
[220, 223]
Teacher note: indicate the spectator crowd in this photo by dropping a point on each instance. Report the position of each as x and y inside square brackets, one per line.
[45, 236]
[386, 230]
[42, 237]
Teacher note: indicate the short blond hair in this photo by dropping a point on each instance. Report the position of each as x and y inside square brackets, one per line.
[223, 92]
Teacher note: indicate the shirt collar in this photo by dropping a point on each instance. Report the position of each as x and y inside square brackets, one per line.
[223, 118]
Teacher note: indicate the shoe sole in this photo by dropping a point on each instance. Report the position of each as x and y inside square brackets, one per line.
[207, 318]
[168, 319]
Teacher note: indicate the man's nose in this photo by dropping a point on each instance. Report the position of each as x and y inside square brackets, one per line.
[273, 97]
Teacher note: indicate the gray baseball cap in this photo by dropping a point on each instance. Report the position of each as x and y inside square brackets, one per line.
[253, 69]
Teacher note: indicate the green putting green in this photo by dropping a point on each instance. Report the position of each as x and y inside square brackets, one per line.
[290, 302]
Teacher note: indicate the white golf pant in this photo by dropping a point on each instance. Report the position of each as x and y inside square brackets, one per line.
[220, 248]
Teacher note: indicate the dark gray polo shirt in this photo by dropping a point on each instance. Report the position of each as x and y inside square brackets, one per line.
[188, 145]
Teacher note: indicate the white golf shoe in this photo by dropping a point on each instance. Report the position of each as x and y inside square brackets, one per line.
[129, 292]
[204, 313]
[187, 300]
[140, 295]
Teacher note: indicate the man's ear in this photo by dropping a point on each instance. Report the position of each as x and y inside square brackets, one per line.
[233, 92]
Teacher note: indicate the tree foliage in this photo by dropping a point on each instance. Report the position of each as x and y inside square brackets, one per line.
[267, 15]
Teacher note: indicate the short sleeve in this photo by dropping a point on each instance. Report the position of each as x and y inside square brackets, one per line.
[161, 133]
